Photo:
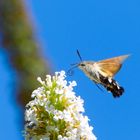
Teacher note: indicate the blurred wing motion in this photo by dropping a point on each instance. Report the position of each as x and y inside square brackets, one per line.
[110, 67]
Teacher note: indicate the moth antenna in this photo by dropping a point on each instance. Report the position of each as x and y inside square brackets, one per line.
[79, 55]
[70, 71]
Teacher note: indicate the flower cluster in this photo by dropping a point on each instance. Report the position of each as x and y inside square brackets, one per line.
[55, 113]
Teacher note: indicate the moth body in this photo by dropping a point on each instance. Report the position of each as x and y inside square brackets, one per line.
[102, 72]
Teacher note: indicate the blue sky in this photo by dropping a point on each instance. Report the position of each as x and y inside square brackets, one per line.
[99, 29]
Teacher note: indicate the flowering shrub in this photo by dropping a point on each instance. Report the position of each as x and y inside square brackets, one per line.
[55, 113]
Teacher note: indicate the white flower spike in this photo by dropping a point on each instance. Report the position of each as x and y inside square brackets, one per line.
[55, 113]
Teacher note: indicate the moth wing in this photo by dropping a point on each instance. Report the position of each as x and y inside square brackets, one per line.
[110, 67]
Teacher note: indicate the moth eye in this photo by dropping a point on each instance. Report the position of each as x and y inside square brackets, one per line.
[82, 64]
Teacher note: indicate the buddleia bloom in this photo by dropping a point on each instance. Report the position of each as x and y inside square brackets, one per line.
[56, 113]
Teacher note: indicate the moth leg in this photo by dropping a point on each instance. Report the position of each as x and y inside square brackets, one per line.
[98, 86]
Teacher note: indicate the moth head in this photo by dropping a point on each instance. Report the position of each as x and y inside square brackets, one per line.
[86, 66]
[82, 65]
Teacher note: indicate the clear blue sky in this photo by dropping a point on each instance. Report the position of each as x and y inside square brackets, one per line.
[99, 29]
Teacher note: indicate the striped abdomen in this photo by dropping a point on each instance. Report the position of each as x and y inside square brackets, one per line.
[112, 86]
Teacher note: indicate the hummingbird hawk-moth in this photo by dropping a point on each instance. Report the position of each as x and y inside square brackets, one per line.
[102, 72]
